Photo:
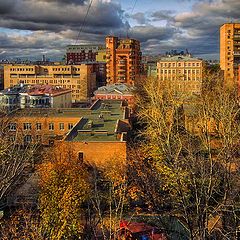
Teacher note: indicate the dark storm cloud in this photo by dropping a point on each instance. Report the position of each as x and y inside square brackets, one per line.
[50, 15]
[76, 2]
[55, 24]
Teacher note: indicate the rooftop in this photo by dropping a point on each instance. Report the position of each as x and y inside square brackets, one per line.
[35, 90]
[101, 124]
[120, 88]
[179, 58]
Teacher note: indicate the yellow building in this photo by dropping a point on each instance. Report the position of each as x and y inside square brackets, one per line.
[101, 55]
[184, 73]
[81, 79]
[97, 134]
[230, 51]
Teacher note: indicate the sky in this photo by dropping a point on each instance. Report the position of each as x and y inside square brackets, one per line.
[31, 28]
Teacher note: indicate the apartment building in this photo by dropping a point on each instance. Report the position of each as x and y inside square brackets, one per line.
[81, 79]
[230, 51]
[183, 73]
[123, 60]
[77, 54]
[35, 96]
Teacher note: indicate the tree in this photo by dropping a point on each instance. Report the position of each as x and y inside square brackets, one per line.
[17, 159]
[194, 166]
[64, 189]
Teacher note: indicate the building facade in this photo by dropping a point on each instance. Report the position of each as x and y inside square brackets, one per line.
[230, 51]
[123, 60]
[116, 92]
[184, 73]
[77, 54]
[81, 79]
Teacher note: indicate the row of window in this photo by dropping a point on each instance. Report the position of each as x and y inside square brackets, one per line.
[47, 81]
[51, 126]
[171, 71]
[180, 64]
[177, 78]
[21, 69]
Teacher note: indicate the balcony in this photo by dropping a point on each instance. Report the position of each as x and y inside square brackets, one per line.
[236, 53]
[236, 36]
[122, 62]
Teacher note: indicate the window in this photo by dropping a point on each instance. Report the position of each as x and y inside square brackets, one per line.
[51, 126]
[80, 156]
[12, 126]
[70, 126]
[39, 138]
[27, 126]
[27, 139]
[12, 138]
[61, 126]
[38, 126]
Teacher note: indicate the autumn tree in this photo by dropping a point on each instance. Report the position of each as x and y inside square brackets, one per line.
[17, 158]
[64, 189]
[196, 168]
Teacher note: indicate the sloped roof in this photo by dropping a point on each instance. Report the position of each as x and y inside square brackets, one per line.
[119, 88]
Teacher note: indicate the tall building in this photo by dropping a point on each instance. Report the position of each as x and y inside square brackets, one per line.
[230, 51]
[77, 54]
[184, 73]
[123, 60]
[81, 79]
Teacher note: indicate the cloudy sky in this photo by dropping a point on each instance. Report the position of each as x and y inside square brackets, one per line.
[31, 28]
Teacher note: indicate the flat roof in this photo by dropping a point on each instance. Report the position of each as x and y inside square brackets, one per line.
[179, 58]
[97, 123]
[100, 124]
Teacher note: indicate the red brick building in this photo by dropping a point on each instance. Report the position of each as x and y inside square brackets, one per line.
[77, 54]
[116, 92]
[123, 60]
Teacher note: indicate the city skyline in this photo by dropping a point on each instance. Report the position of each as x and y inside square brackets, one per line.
[30, 28]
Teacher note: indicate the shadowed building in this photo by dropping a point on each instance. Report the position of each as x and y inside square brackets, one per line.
[76, 54]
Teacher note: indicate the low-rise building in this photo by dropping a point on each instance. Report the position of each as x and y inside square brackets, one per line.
[35, 96]
[183, 73]
[96, 134]
[116, 92]
[81, 79]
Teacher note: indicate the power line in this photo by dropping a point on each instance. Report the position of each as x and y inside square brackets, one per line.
[134, 5]
[84, 21]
